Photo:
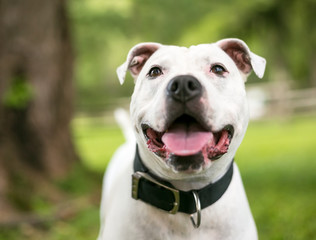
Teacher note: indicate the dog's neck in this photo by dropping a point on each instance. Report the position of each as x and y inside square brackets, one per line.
[185, 184]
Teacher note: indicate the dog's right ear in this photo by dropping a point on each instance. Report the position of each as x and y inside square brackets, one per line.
[136, 59]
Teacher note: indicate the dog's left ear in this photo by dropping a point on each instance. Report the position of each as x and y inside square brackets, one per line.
[136, 59]
[242, 56]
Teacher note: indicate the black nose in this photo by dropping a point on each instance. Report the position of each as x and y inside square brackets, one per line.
[184, 88]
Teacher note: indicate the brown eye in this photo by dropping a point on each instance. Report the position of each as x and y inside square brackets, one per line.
[218, 69]
[155, 72]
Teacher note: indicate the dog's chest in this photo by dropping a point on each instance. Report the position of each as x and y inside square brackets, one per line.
[147, 222]
[156, 225]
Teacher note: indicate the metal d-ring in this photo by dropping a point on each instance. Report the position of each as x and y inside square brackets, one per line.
[196, 223]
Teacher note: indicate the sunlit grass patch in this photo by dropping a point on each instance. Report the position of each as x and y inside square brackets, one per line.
[277, 164]
[96, 141]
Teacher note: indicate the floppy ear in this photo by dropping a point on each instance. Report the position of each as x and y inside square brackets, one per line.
[136, 59]
[242, 56]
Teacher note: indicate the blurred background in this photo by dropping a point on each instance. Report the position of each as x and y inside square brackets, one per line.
[58, 91]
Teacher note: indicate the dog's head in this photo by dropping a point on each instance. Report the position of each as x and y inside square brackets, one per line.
[189, 106]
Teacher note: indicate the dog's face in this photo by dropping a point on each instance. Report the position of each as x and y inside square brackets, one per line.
[189, 106]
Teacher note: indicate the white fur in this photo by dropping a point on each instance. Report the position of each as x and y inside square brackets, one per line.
[224, 102]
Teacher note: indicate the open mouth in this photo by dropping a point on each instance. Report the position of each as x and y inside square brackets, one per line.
[186, 137]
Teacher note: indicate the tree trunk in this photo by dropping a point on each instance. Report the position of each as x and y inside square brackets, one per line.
[36, 96]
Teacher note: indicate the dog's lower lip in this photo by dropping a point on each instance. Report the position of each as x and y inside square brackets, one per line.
[230, 130]
[145, 127]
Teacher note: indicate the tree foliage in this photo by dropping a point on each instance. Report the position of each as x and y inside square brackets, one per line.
[280, 30]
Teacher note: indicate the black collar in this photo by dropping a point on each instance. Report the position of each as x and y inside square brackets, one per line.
[163, 195]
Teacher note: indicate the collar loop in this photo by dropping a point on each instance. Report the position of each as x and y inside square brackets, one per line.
[196, 223]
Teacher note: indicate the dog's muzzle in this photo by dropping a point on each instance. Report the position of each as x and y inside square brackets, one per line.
[187, 143]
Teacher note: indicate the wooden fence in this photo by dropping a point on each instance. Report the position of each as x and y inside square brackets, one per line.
[277, 99]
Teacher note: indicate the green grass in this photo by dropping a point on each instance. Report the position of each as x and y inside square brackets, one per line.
[277, 163]
[96, 141]
[276, 159]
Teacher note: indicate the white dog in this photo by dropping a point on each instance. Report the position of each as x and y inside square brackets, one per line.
[177, 179]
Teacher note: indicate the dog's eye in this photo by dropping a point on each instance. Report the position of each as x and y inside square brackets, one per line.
[218, 69]
[154, 72]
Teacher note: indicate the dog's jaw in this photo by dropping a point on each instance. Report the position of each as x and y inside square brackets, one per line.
[182, 180]
[186, 146]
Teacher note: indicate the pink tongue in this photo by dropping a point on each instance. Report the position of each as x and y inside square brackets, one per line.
[184, 140]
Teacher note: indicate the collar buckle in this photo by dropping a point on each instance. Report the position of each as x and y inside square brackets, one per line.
[137, 176]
